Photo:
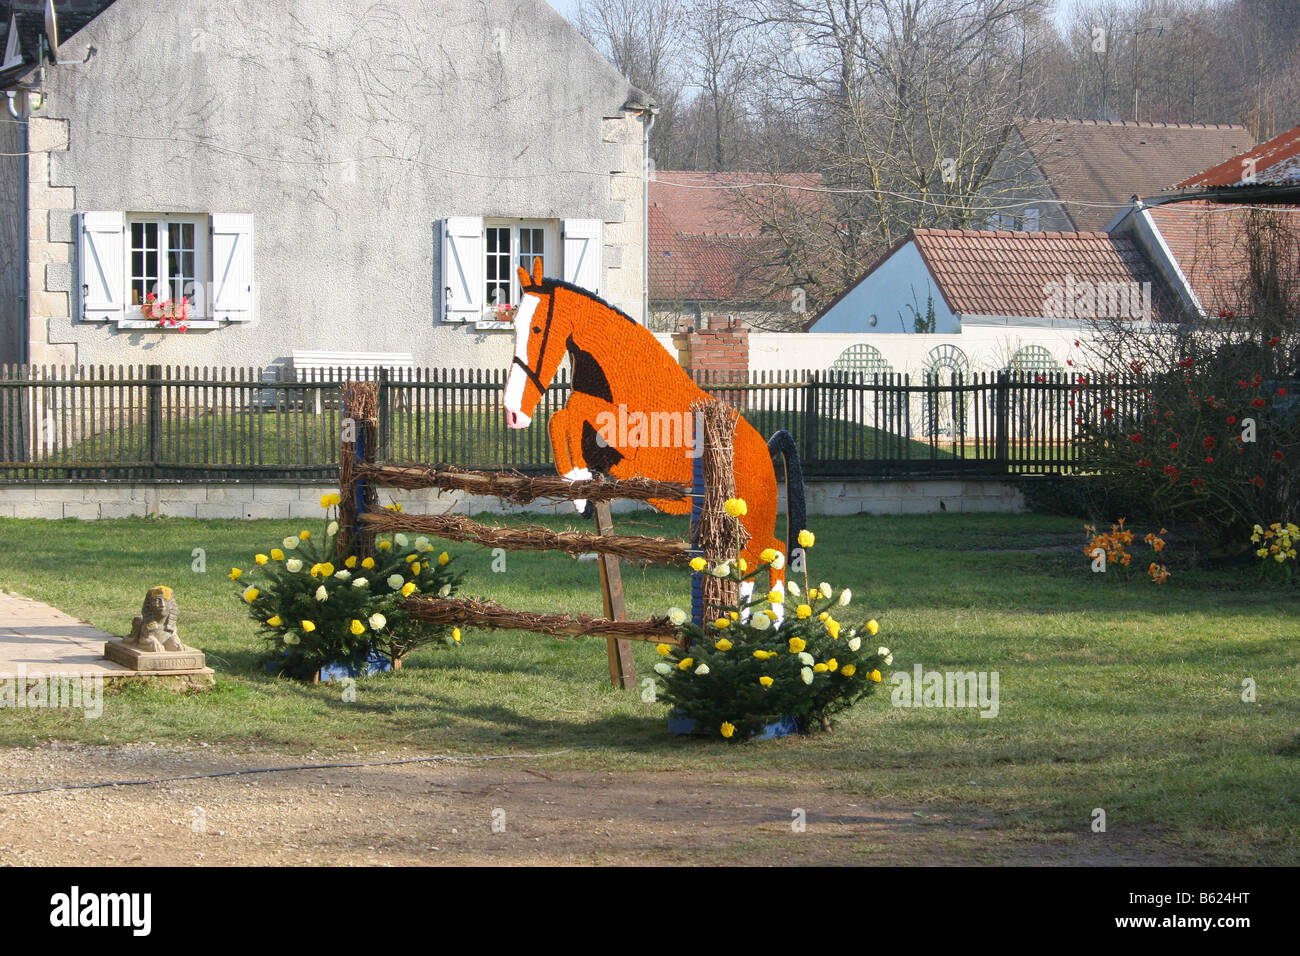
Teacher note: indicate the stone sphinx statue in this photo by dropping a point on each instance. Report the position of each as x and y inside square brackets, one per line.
[154, 629]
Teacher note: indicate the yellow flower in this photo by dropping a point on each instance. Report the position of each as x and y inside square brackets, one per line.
[767, 555]
[723, 645]
[735, 507]
[663, 649]
[823, 616]
[351, 562]
[797, 644]
[722, 622]
[833, 629]
[685, 663]
[410, 558]
[251, 595]
[765, 681]
[260, 558]
[728, 730]
[384, 545]
[455, 634]
[743, 566]
[698, 564]
[444, 558]
[408, 589]
[304, 535]
[848, 670]
[308, 626]
[735, 615]
[326, 500]
[875, 676]
[763, 655]
[235, 574]
[367, 563]
[873, 627]
[820, 668]
[814, 594]
[832, 665]
[277, 554]
[803, 611]
[775, 597]
[327, 569]
[807, 539]
[356, 627]
[274, 621]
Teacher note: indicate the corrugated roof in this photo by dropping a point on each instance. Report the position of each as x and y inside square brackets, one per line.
[1107, 163]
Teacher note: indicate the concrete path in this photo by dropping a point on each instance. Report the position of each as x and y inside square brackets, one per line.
[44, 640]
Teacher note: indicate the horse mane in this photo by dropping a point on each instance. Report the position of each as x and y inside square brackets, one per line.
[550, 285]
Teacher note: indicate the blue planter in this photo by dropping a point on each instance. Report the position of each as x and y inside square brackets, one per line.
[680, 724]
[374, 664]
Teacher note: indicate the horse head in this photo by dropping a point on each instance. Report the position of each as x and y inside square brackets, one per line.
[541, 336]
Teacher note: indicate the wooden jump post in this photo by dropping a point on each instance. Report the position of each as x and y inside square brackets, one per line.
[713, 532]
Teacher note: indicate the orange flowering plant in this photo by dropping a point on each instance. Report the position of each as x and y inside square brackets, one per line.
[1110, 549]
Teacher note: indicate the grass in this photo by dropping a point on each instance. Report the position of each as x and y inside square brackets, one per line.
[1121, 696]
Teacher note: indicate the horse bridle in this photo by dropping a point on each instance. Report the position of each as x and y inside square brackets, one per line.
[533, 376]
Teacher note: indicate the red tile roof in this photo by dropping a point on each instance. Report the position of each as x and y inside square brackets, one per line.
[1276, 163]
[1005, 273]
[1208, 241]
[1103, 164]
[706, 245]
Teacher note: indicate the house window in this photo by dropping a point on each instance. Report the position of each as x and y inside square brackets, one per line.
[507, 246]
[167, 258]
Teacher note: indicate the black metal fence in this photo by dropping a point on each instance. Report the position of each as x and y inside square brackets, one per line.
[151, 422]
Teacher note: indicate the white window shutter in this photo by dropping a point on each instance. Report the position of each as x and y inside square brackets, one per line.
[462, 269]
[101, 266]
[583, 245]
[232, 267]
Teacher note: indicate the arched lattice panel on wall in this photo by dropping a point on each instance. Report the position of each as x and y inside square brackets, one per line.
[1034, 358]
[943, 413]
[1031, 409]
[861, 371]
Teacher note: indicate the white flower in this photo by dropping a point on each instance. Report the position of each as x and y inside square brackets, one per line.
[792, 587]
[701, 670]
[884, 652]
[779, 561]
[806, 658]
[855, 643]
[825, 589]
[806, 675]
[444, 590]
[395, 581]
[378, 622]
[291, 638]
[293, 565]
[343, 574]
[322, 594]
[845, 597]
[290, 542]
[662, 668]
[332, 528]
[676, 616]
[722, 570]
[422, 544]
[399, 539]
[361, 583]
[760, 621]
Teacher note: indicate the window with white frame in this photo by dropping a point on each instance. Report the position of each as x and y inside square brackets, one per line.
[125, 257]
[480, 257]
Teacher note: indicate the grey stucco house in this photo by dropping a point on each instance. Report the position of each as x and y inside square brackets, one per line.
[344, 178]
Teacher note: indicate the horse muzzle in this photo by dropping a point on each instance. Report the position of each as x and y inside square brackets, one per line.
[517, 419]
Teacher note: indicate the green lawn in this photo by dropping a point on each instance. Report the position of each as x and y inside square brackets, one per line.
[1124, 697]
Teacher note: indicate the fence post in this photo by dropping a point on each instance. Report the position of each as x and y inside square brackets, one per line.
[810, 419]
[382, 414]
[153, 416]
[1002, 421]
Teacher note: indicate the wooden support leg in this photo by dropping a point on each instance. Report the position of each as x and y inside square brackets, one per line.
[622, 670]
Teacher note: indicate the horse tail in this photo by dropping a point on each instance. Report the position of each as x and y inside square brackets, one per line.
[796, 510]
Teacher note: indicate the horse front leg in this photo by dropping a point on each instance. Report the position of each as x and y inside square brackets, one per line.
[565, 429]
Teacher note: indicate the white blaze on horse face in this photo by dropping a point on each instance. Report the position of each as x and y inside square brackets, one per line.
[514, 395]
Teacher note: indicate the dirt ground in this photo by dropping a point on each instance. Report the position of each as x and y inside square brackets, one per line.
[479, 813]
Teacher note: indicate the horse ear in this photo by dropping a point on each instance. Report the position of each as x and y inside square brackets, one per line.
[525, 280]
[537, 270]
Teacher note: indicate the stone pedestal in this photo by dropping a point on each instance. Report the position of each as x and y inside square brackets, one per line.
[142, 660]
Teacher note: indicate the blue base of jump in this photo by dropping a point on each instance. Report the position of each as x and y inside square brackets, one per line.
[376, 663]
[681, 725]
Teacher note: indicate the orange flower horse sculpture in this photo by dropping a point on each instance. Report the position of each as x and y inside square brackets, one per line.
[629, 412]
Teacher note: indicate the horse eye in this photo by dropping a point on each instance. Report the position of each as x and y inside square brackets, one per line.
[537, 329]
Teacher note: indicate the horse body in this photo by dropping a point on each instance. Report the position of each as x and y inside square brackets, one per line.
[627, 392]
